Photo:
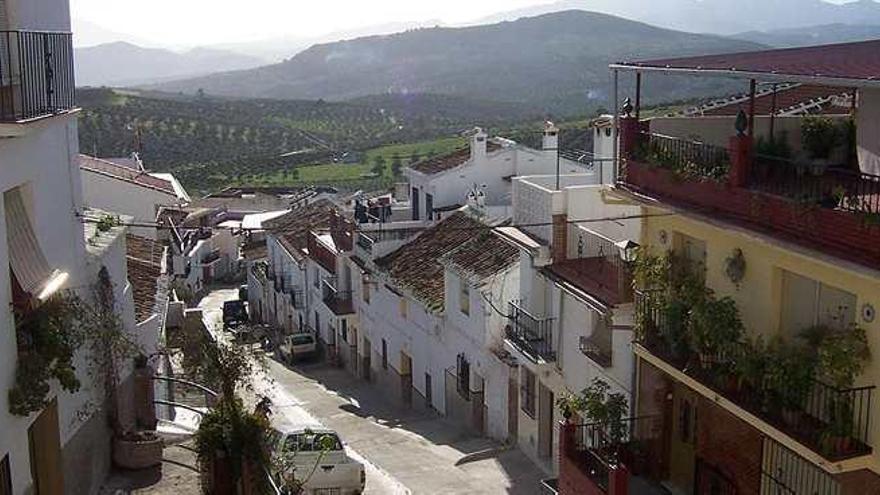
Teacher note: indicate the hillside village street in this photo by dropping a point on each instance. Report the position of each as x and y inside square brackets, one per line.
[403, 451]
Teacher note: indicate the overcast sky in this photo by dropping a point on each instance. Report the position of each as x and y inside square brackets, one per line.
[197, 22]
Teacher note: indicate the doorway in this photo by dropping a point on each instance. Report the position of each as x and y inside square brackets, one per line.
[683, 441]
[512, 405]
[545, 421]
[405, 379]
[44, 442]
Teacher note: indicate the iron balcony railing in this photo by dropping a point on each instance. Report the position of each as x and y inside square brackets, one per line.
[533, 336]
[784, 472]
[339, 301]
[834, 422]
[834, 187]
[686, 157]
[605, 268]
[365, 242]
[601, 447]
[36, 74]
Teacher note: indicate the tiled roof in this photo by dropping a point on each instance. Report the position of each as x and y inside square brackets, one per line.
[791, 99]
[255, 251]
[293, 228]
[144, 261]
[484, 256]
[127, 174]
[849, 62]
[442, 163]
[416, 266]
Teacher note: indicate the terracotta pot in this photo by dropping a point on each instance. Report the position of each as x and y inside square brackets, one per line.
[138, 453]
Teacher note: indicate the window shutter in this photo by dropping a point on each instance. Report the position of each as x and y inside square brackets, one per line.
[26, 259]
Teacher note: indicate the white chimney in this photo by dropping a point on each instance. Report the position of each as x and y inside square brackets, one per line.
[478, 144]
[551, 137]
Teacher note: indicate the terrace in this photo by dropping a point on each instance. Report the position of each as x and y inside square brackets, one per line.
[784, 172]
[337, 301]
[530, 335]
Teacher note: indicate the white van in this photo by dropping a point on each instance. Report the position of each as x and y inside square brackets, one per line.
[316, 457]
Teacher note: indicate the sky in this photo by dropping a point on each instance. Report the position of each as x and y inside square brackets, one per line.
[202, 22]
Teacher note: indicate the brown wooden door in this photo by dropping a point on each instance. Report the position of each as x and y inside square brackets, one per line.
[683, 442]
[45, 451]
[513, 405]
[545, 421]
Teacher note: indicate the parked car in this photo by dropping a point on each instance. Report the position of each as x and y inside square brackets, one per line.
[315, 456]
[234, 313]
[298, 346]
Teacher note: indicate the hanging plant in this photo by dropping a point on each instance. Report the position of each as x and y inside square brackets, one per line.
[48, 336]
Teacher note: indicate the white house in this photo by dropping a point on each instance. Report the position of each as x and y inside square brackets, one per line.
[123, 186]
[485, 168]
[572, 322]
[46, 248]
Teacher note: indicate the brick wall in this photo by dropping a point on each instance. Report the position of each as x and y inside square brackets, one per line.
[730, 445]
[859, 482]
[559, 244]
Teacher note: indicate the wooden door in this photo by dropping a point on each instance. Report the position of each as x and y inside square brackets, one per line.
[683, 442]
[513, 405]
[405, 378]
[44, 442]
[545, 421]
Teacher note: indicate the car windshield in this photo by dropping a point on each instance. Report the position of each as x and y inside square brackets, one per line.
[312, 442]
[302, 339]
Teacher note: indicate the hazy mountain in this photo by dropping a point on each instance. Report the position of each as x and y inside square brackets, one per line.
[121, 63]
[716, 16]
[556, 61]
[87, 33]
[281, 48]
[814, 35]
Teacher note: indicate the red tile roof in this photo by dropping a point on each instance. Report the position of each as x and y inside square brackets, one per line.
[787, 99]
[416, 266]
[850, 63]
[449, 161]
[482, 257]
[127, 174]
[594, 276]
[292, 229]
[144, 262]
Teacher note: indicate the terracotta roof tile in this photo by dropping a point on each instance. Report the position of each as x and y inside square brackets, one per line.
[144, 270]
[416, 266]
[449, 161]
[786, 98]
[484, 256]
[122, 172]
[292, 229]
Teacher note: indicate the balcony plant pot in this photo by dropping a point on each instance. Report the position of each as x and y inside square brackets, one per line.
[137, 450]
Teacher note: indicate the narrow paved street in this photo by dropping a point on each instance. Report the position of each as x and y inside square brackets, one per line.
[404, 451]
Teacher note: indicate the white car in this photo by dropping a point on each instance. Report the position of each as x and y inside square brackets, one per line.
[316, 457]
[297, 346]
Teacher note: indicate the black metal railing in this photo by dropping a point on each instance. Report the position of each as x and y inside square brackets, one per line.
[602, 447]
[609, 271]
[832, 421]
[365, 242]
[597, 348]
[36, 74]
[296, 297]
[832, 187]
[684, 156]
[783, 472]
[533, 336]
[339, 301]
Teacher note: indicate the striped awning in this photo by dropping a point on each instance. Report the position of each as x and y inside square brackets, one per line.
[26, 259]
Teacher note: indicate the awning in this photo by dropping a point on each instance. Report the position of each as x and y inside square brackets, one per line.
[26, 259]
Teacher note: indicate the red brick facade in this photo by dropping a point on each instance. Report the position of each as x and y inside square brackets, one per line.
[559, 244]
[729, 445]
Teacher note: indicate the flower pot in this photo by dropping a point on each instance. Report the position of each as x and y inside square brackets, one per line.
[137, 451]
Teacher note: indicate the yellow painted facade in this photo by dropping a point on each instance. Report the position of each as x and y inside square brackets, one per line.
[759, 295]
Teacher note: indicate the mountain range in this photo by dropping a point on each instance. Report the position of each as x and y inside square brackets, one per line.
[556, 61]
[122, 64]
[814, 35]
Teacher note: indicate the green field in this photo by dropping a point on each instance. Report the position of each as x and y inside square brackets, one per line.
[386, 155]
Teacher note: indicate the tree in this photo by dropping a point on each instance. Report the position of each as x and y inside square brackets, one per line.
[378, 165]
[396, 165]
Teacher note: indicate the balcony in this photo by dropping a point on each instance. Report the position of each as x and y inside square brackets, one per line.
[834, 210]
[530, 335]
[597, 348]
[600, 269]
[830, 421]
[338, 301]
[616, 458]
[36, 75]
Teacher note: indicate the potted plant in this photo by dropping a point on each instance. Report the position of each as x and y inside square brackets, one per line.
[606, 410]
[819, 136]
[790, 379]
[750, 367]
[714, 327]
[569, 405]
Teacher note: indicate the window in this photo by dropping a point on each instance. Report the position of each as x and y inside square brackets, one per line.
[464, 296]
[384, 354]
[527, 392]
[317, 281]
[415, 203]
[807, 302]
[429, 207]
[365, 289]
[402, 307]
[686, 421]
[317, 323]
[344, 324]
[463, 376]
[429, 393]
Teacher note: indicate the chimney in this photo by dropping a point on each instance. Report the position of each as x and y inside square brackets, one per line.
[551, 137]
[559, 242]
[478, 144]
